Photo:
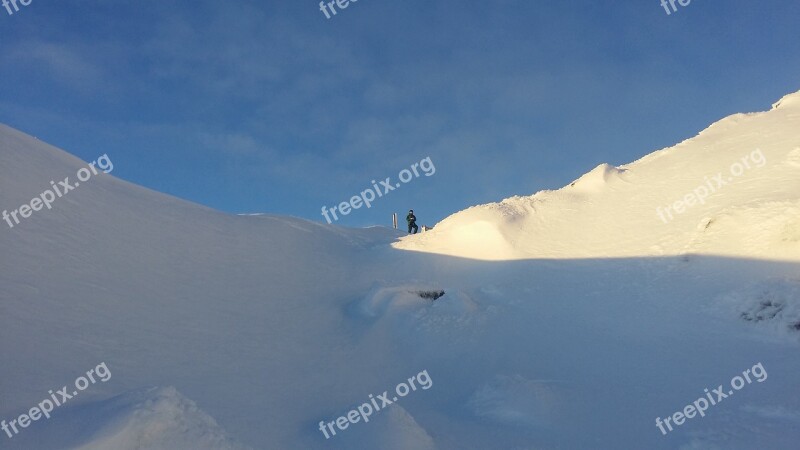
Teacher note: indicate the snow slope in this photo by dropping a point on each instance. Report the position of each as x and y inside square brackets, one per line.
[612, 211]
[571, 319]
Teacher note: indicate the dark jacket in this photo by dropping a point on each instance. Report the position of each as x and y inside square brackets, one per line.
[411, 218]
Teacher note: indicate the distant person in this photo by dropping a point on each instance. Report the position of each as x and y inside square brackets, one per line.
[412, 222]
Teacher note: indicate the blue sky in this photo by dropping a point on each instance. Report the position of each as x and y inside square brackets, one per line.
[262, 106]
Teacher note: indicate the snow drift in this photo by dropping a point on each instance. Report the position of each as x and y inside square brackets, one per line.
[614, 211]
[570, 318]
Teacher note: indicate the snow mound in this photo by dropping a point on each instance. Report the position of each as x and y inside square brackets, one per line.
[382, 301]
[154, 418]
[396, 429]
[790, 100]
[481, 235]
[404, 313]
[483, 230]
[598, 178]
[389, 300]
[793, 158]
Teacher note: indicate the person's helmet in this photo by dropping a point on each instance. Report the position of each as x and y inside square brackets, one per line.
[411, 210]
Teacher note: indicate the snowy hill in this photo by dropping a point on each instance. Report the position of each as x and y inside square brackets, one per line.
[570, 319]
[741, 174]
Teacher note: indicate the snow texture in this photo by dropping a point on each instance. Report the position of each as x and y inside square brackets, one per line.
[570, 318]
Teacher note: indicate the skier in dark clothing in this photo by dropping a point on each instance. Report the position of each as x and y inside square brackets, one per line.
[412, 222]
